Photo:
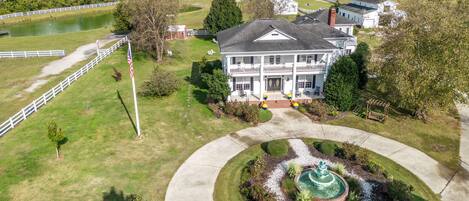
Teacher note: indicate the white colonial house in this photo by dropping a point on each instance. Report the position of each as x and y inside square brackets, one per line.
[277, 58]
[366, 12]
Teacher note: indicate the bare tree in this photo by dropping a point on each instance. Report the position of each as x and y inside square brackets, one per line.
[150, 20]
[259, 9]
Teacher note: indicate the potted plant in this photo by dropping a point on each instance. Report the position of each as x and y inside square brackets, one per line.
[264, 105]
[266, 96]
[295, 104]
[289, 96]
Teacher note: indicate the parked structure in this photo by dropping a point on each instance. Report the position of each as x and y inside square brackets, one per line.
[325, 16]
[366, 12]
[277, 58]
[177, 32]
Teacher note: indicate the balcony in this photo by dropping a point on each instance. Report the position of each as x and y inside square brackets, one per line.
[277, 69]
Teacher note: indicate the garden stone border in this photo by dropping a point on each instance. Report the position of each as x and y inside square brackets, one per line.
[196, 177]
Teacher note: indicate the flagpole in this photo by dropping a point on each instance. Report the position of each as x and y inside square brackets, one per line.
[135, 96]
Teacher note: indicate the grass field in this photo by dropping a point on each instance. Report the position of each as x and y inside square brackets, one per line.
[313, 4]
[101, 151]
[21, 72]
[228, 181]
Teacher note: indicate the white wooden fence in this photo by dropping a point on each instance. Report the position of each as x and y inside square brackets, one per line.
[56, 10]
[49, 95]
[25, 54]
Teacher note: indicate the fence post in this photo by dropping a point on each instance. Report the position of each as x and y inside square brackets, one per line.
[12, 125]
[24, 114]
[35, 107]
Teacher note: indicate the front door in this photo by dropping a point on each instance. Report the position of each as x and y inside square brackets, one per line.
[274, 84]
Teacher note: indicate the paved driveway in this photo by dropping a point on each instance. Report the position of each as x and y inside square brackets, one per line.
[195, 179]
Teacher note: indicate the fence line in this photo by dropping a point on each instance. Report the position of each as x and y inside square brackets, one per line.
[25, 54]
[56, 10]
[49, 95]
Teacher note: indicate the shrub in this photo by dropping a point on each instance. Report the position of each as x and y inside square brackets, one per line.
[398, 190]
[327, 148]
[316, 108]
[304, 196]
[353, 196]
[361, 57]
[354, 185]
[294, 169]
[217, 83]
[277, 148]
[362, 157]
[265, 116]
[161, 83]
[350, 151]
[251, 113]
[257, 167]
[289, 186]
[341, 87]
[231, 108]
[257, 192]
[340, 169]
[372, 167]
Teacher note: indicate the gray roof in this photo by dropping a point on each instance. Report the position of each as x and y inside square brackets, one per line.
[241, 38]
[324, 31]
[322, 15]
[357, 8]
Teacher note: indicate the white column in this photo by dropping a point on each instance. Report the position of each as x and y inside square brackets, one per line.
[261, 78]
[227, 64]
[294, 76]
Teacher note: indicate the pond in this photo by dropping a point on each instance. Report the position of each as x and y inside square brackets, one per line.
[60, 25]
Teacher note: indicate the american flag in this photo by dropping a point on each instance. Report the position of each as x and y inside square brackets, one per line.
[129, 60]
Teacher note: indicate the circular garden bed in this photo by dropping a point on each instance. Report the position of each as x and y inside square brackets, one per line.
[268, 172]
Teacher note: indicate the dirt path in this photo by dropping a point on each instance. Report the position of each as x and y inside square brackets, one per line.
[56, 67]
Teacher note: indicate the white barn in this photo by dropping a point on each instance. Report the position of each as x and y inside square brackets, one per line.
[366, 12]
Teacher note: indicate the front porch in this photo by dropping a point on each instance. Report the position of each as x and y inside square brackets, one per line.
[275, 96]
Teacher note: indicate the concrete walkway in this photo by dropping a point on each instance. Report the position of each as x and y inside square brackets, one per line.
[463, 110]
[195, 179]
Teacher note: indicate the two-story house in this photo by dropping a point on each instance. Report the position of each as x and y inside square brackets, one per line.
[277, 58]
[366, 12]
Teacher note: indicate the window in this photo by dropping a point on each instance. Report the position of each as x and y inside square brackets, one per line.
[307, 58]
[248, 60]
[315, 58]
[304, 81]
[236, 60]
[308, 85]
[301, 85]
[348, 51]
[348, 31]
[277, 59]
[272, 60]
[243, 83]
[275, 34]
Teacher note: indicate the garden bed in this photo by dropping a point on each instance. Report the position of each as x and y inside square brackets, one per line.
[382, 174]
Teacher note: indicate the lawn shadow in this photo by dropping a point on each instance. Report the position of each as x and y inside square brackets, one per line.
[200, 95]
[114, 195]
[127, 111]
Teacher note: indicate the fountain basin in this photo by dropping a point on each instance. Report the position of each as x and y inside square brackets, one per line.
[332, 188]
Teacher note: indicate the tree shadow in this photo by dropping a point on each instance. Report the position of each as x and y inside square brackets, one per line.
[127, 111]
[114, 195]
[63, 141]
[200, 95]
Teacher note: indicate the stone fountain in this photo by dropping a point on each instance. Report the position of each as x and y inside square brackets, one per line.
[322, 183]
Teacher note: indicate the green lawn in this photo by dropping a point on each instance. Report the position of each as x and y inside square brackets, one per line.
[21, 72]
[228, 181]
[313, 4]
[101, 151]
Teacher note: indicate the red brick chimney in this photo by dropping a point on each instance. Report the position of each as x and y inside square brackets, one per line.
[332, 16]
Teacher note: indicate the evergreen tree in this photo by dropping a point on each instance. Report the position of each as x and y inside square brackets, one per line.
[218, 88]
[223, 14]
[341, 87]
[361, 57]
[122, 22]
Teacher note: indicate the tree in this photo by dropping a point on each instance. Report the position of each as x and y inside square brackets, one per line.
[223, 14]
[56, 136]
[218, 88]
[150, 21]
[161, 83]
[361, 57]
[260, 9]
[341, 87]
[422, 64]
[122, 18]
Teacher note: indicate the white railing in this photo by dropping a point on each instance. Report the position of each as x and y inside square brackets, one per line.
[25, 54]
[56, 10]
[52, 93]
